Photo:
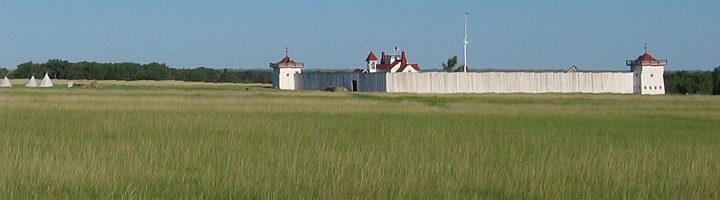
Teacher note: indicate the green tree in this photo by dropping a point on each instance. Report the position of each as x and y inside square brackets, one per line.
[228, 76]
[205, 74]
[156, 71]
[452, 65]
[716, 80]
[449, 66]
[25, 70]
[63, 69]
[704, 82]
[57, 68]
[96, 71]
[690, 82]
[4, 72]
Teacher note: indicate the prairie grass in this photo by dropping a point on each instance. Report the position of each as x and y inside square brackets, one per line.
[190, 140]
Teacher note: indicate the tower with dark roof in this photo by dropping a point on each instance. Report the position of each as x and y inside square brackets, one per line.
[648, 74]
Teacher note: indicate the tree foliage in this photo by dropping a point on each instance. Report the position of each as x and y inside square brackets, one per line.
[4, 72]
[62, 69]
[693, 82]
[716, 80]
[452, 65]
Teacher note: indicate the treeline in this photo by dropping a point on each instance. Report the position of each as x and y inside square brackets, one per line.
[693, 82]
[4, 71]
[62, 69]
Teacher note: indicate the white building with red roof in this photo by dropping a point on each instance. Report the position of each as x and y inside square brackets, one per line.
[389, 64]
[648, 74]
[284, 73]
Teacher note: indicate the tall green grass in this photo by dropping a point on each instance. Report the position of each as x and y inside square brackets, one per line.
[223, 143]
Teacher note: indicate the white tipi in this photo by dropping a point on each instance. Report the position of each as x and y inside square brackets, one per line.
[5, 82]
[32, 82]
[46, 82]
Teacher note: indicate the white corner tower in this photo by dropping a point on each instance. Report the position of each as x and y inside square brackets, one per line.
[372, 62]
[648, 74]
[283, 77]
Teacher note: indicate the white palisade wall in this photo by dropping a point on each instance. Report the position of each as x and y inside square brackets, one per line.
[511, 82]
[485, 82]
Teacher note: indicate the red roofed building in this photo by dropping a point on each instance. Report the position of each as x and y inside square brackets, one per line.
[646, 60]
[389, 63]
[648, 74]
[284, 73]
[371, 57]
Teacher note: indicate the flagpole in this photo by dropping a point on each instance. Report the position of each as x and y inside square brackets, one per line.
[465, 44]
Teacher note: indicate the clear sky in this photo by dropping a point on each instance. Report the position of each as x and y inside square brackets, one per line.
[513, 34]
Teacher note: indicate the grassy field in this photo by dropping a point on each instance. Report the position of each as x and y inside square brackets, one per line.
[183, 140]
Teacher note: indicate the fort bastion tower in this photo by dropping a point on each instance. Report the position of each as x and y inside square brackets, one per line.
[648, 74]
[283, 77]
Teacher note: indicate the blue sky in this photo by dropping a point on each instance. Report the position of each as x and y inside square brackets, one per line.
[513, 34]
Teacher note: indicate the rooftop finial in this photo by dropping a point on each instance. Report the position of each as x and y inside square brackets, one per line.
[646, 47]
[286, 51]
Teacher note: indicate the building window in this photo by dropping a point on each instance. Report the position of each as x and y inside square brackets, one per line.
[656, 87]
[651, 75]
[287, 75]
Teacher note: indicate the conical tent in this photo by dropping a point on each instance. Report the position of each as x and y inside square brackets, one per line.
[5, 82]
[46, 82]
[32, 82]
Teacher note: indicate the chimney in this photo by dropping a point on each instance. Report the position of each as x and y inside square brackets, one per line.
[382, 58]
[403, 59]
